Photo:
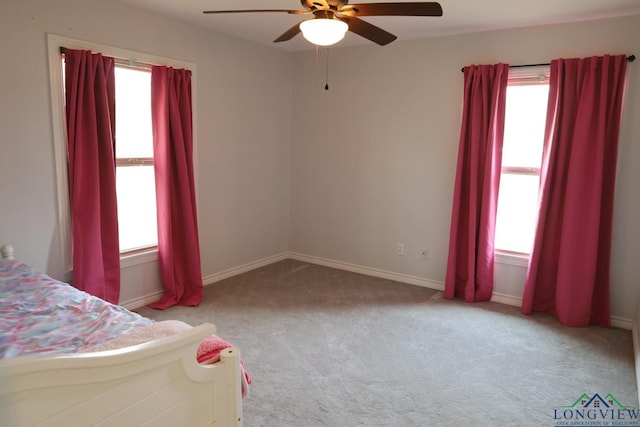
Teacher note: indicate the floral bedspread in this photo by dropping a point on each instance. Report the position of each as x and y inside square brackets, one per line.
[41, 315]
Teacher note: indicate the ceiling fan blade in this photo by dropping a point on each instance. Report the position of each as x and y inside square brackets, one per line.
[369, 31]
[396, 9]
[293, 12]
[289, 34]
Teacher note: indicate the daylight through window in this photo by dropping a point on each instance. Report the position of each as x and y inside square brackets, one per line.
[525, 117]
[135, 181]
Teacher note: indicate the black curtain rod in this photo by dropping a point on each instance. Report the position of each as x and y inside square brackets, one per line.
[130, 62]
[630, 58]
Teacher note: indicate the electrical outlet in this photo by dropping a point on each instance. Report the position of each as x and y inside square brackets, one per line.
[424, 254]
[400, 249]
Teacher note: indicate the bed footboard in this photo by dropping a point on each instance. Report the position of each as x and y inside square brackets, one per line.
[156, 384]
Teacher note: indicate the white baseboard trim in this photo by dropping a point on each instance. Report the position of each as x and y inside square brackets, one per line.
[622, 323]
[506, 299]
[225, 274]
[142, 301]
[383, 274]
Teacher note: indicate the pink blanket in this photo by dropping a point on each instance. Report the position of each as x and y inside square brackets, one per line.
[209, 352]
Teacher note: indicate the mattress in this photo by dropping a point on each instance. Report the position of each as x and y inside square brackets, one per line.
[42, 315]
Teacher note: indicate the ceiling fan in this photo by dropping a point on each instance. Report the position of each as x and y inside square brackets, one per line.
[332, 18]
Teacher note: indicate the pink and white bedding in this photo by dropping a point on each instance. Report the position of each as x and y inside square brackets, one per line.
[41, 315]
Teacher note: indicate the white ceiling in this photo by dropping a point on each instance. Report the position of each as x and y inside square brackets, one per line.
[460, 16]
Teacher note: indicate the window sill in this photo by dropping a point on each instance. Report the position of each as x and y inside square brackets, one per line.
[139, 258]
[519, 260]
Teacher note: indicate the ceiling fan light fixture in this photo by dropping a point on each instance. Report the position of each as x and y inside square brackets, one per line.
[323, 31]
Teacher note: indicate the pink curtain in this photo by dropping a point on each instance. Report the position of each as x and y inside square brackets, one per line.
[568, 272]
[90, 109]
[178, 247]
[475, 199]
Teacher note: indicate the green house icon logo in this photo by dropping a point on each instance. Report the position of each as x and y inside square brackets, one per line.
[596, 401]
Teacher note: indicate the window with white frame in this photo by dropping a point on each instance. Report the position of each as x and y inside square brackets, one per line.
[134, 147]
[525, 118]
[135, 181]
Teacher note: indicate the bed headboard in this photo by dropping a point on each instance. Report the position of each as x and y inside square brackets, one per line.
[6, 252]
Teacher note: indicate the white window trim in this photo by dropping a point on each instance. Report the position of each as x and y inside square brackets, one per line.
[519, 260]
[54, 43]
[522, 76]
[138, 258]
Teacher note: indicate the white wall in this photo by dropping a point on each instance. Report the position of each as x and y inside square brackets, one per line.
[343, 174]
[243, 132]
[373, 159]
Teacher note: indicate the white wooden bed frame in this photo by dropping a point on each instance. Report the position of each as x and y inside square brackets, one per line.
[154, 384]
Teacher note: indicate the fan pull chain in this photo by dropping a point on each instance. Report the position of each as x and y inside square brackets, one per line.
[315, 74]
[326, 85]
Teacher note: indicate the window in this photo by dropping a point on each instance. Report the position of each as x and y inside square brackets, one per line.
[525, 118]
[142, 152]
[135, 181]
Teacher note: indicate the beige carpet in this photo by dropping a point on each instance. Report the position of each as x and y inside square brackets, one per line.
[331, 348]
